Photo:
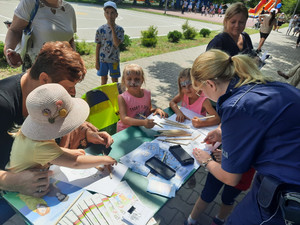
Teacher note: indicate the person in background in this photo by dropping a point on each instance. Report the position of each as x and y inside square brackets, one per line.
[135, 102]
[280, 21]
[108, 38]
[267, 22]
[193, 101]
[292, 24]
[57, 62]
[55, 20]
[233, 39]
[258, 129]
[293, 73]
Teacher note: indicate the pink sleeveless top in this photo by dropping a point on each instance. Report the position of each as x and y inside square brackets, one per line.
[135, 106]
[196, 106]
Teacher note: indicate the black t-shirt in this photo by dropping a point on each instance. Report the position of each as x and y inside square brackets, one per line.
[10, 113]
[224, 42]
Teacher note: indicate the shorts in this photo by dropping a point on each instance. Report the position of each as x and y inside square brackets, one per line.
[213, 186]
[5, 211]
[113, 68]
[263, 35]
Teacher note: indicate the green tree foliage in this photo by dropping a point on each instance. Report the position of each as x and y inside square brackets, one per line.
[288, 7]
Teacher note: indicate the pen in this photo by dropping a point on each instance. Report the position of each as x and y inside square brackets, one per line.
[163, 158]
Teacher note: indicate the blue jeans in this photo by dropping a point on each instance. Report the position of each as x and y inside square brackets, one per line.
[213, 186]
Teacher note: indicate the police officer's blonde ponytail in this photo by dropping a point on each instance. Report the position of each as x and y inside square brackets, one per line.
[219, 66]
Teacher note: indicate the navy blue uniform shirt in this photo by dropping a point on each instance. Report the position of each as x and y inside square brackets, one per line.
[261, 128]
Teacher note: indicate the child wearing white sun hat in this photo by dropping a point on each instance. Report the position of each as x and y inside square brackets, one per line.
[53, 113]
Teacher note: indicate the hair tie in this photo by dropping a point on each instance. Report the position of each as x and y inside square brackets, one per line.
[230, 59]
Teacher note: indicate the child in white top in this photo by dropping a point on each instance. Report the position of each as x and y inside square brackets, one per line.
[193, 100]
[53, 113]
[135, 102]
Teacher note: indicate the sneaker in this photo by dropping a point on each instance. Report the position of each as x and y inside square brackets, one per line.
[186, 223]
[217, 221]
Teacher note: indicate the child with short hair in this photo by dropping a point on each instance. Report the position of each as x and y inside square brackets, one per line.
[108, 38]
[135, 102]
[194, 101]
[53, 113]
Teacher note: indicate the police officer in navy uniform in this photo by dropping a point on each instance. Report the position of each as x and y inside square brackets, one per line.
[260, 129]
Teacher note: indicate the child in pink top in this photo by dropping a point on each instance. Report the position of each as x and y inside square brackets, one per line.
[135, 102]
[194, 101]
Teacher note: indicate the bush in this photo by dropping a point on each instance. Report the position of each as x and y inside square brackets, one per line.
[205, 32]
[125, 44]
[188, 31]
[174, 36]
[149, 37]
[83, 48]
[2, 57]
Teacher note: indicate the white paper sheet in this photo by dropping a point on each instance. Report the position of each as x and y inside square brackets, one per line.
[91, 179]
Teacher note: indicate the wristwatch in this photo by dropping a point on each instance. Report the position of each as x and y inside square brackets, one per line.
[204, 163]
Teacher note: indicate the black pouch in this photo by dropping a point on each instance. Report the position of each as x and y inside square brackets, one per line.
[290, 207]
[181, 155]
[268, 193]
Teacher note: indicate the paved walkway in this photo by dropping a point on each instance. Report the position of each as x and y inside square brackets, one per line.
[161, 78]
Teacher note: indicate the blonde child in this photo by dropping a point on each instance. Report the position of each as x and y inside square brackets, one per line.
[53, 113]
[135, 102]
[194, 101]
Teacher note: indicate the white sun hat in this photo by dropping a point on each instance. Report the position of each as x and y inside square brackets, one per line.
[53, 113]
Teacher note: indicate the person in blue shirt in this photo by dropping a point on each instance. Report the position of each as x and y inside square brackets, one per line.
[259, 129]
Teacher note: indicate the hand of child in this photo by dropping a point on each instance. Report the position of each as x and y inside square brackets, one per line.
[181, 117]
[109, 161]
[196, 122]
[161, 113]
[149, 123]
[97, 66]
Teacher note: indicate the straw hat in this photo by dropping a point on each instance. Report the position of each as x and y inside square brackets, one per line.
[53, 113]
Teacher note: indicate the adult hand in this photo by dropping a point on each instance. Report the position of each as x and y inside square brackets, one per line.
[161, 113]
[200, 155]
[149, 123]
[217, 155]
[97, 137]
[180, 117]
[13, 58]
[31, 182]
[213, 136]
